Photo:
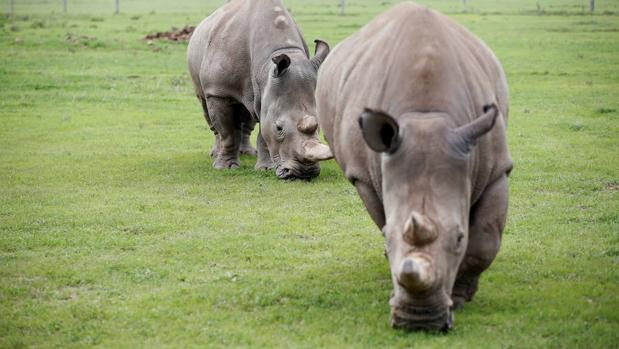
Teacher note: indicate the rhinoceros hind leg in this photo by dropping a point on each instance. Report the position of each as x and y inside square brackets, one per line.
[486, 226]
[264, 161]
[246, 147]
[222, 114]
[215, 148]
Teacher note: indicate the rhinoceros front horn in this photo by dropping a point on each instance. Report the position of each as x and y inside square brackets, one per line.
[314, 151]
[415, 273]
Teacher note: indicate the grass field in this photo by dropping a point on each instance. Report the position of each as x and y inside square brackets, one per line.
[115, 231]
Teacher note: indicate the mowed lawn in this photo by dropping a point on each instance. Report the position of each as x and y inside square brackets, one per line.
[116, 232]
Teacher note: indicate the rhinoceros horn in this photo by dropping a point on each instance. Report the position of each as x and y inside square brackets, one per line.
[419, 230]
[308, 124]
[314, 151]
[415, 273]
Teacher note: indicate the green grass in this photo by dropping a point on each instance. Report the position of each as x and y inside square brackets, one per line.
[115, 231]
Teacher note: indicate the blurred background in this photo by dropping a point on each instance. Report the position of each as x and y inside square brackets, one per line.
[325, 6]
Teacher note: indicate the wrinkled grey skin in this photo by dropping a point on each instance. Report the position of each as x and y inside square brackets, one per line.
[249, 63]
[415, 109]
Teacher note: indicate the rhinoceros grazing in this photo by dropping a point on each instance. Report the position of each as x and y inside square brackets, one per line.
[415, 108]
[249, 63]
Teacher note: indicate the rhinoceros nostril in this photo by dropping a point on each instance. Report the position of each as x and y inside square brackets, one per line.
[283, 173]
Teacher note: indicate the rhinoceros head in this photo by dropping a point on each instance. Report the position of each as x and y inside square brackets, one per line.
[426, 189]
[288, 122]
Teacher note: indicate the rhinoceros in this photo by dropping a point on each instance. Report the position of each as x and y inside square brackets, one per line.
[249, 62]
[414, 108]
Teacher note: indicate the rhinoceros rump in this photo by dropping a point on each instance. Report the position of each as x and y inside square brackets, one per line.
[415, 108]
[249, 63]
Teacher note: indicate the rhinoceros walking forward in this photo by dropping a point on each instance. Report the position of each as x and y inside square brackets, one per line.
[415, 108]
[249, 62]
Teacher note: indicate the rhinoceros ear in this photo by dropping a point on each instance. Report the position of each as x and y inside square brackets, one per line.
[464, 137]
[322, 50]
[282, 62]
[481, 125]
[380, 131]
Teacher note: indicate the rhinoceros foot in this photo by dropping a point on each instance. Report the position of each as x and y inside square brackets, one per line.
[215, 148]
[458, 302]
[264, 164]
[248, 150]
[222, 163]
[464, 289]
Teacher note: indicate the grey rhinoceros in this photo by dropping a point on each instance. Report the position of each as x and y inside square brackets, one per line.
[414, 107]
[249, 62]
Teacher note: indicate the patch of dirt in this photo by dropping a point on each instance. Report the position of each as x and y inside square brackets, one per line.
[611, 186]
[79, 39]
[175, 34]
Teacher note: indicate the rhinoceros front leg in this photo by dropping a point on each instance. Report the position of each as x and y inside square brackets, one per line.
[264, 161]
[228, 132]
[215, 148]
[372, 203]
[246, 148]
[485, 230]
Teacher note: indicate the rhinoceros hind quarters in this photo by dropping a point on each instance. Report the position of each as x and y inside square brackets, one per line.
[380, 131]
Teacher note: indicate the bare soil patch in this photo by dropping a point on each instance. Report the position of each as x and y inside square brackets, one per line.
[174, 34]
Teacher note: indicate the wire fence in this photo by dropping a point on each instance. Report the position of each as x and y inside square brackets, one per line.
[25, 7]
[341, 7]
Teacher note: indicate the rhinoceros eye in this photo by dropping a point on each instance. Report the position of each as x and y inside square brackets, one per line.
[280, 132]
[460, 238]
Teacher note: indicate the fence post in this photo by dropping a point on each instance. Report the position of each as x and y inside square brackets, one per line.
[12, 8]
[463, 5]
[342, 7]
[591, 6]
[64, 6]
[117, 7]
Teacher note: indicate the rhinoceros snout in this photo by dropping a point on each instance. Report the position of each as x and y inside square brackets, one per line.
[297, 171]
[416, 303]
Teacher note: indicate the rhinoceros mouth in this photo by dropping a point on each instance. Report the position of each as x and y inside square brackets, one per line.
[297, 170]
[425, 317]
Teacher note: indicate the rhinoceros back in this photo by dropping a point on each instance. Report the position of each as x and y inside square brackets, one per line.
[229, 51]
